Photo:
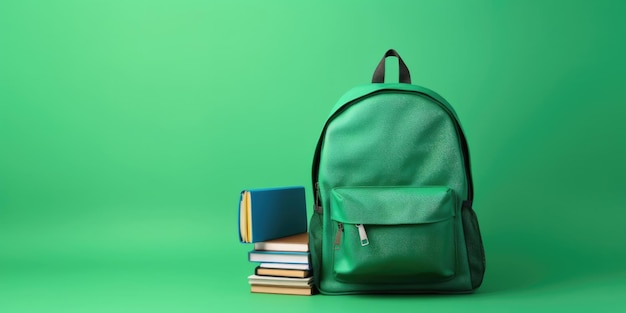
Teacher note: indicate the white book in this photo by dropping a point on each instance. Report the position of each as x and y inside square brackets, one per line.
[287, 266]
[279, 281]
[278, 257]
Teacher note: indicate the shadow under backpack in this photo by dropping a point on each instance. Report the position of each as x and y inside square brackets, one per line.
[393, 194]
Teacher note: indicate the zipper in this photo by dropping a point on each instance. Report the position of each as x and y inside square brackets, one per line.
[362, 235]
[338, 235]
[318, 204]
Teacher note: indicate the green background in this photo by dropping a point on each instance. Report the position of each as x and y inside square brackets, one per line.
[128, 128]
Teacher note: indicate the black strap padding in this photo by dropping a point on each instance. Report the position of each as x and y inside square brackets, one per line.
[379, 73]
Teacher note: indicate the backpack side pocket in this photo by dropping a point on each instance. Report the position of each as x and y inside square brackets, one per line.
[474, 244]
[315, 246]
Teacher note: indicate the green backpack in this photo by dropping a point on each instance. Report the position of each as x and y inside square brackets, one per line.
[393, 194]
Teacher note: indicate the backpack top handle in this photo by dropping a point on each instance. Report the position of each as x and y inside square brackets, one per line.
[379, 73]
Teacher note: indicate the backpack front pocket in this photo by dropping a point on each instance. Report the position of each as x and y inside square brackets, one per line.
[393, 234]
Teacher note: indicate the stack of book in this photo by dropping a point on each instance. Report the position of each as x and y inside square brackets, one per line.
[284, 266]
[274, 219]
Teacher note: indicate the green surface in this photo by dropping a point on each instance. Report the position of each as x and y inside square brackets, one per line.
[128, 128]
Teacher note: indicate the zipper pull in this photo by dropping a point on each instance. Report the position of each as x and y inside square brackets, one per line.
[362, 235]
[338, 235]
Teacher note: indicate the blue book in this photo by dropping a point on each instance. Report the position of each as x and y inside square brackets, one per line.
[271, 213]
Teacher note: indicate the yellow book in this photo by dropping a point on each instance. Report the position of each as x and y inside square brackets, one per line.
[245, 227]
[295, 243]
[261, 271]
[307, 291]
